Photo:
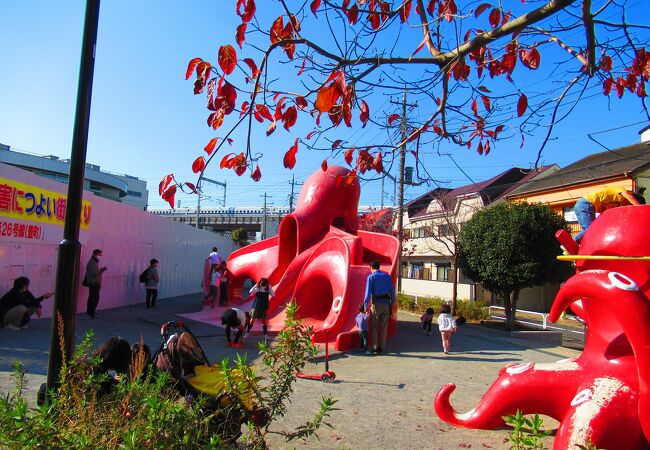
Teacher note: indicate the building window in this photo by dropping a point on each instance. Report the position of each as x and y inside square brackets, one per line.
[134, 194]
[443, 272]
[444, 230]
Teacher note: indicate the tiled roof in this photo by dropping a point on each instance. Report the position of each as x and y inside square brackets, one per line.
[612, 163]
[489, 190]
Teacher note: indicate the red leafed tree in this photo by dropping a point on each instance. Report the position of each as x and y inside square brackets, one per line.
[480, 72]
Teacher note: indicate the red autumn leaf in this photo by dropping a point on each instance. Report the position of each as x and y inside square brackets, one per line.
[323, 165]
[240, 34]
[486, 103]
[353, 14]
[211, 146]
[431, 6]
[479, 149]
[264, 112]
[530, 58]
[239, 164]
[481, 8]
[215, 120]
[290, 157]
[420, 47]
[495, 18]
[225, 160]
[227, 58]
[311, 134]
[365, 113]
[251, 65]
[378, 164]
[483, 89]
[607, 85]
[244, 108]
[448, 10]
[301, 103]
[230, 141]
[278, 107]
[606, 63]
[336, 144]
[257, 173]
[302, 66]
[191, 187]
[314, 6]
[522, 104]
[164, 183]
[350, 178]
[405, 12]
[248, 12]
[271, 128]
[486, 148]
[327, 98]
[375, 21]
[169, 195]
[289, 117]
[392, 118]
[277, 30]
[198, 165]
[191, 66]
[475, 108]
[348, 155]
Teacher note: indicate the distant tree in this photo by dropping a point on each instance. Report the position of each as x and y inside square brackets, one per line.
[239, 236]
[481, 73]
[509, 247]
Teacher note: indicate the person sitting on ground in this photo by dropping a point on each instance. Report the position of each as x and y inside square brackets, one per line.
[362, 327]
[235, 318]
[600, 201]
[19, 304]
[426, 320]
[263, 292]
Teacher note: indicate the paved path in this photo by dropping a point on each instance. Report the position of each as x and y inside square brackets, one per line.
[385, 401]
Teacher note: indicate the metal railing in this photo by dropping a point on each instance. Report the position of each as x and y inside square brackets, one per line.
[544, 317]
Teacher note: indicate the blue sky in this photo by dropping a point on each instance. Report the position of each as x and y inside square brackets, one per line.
[146, 122]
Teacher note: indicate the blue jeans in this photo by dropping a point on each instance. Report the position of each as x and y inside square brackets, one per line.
[586, 214]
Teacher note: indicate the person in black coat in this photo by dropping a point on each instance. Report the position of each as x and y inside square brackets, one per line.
[19, 304]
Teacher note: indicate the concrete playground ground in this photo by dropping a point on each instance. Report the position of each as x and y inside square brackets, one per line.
[384, 402]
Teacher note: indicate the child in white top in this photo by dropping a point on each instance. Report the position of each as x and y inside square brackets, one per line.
[446, 325]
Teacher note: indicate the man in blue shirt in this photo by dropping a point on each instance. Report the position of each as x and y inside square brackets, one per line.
[380, 293]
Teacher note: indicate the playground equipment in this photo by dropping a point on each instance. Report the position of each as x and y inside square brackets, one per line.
[319, 259]
[602, 397]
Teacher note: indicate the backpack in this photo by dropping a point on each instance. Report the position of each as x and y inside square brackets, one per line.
[144, 276]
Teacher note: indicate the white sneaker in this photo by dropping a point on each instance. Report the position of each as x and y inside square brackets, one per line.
[12, 327]
[245, 335]
[24, 327]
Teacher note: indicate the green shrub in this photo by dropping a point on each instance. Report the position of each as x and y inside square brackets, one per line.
[148, 412]
[471, 310]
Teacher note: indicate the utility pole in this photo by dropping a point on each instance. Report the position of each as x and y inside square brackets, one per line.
[291, 197]
[400, 204]
[198, 191]
[264, 217]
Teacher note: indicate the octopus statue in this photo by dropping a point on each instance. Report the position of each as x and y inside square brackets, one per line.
[319, 259]
[601, 398]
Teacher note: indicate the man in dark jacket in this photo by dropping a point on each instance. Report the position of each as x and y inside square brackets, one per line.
[18, 305]
[93, 279]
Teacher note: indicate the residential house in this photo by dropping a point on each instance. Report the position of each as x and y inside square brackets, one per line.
[432, 223]
[626, 167]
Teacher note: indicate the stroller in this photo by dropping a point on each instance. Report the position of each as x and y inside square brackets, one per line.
[180, 354]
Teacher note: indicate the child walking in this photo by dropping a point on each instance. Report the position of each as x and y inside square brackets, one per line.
[446, 325]
[362, 325]
[263, 291]
[426, 320]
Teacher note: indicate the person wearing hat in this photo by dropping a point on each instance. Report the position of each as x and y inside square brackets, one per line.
[151, 285]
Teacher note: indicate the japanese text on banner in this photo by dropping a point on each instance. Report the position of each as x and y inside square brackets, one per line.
[24, 202]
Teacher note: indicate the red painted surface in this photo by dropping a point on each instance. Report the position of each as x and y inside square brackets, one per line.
[320, 259]
[603, 396]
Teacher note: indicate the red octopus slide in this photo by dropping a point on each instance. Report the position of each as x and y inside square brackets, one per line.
[320, 258]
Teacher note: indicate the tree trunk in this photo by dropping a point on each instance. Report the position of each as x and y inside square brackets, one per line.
[454, 289]
[507, 304]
